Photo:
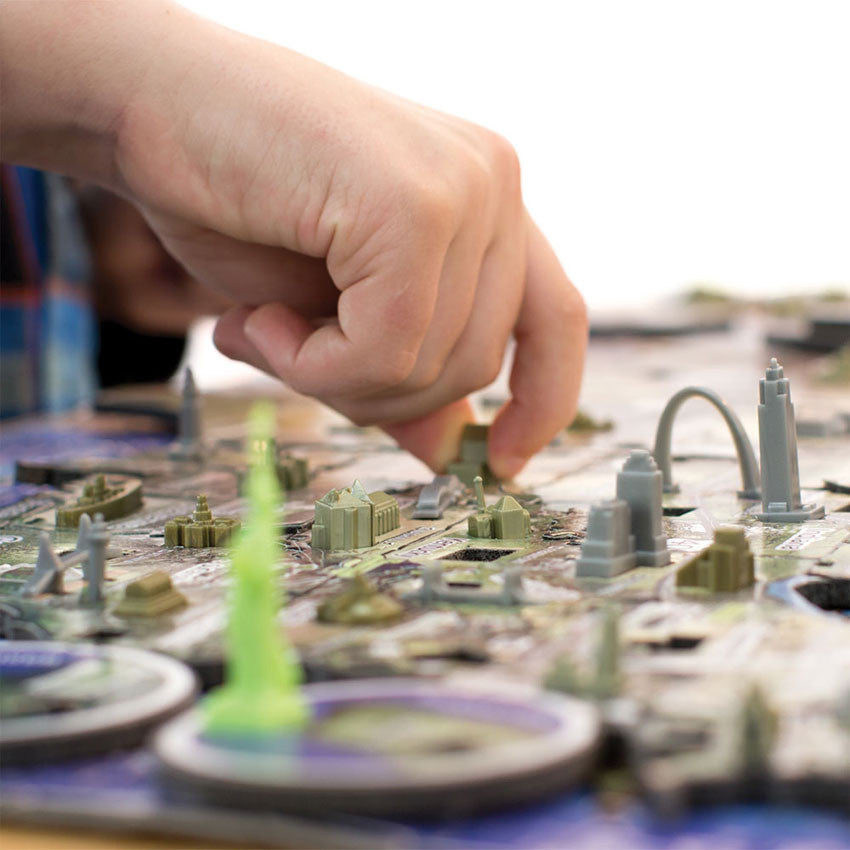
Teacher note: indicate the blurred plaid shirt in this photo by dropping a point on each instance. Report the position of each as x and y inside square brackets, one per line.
[47, 325]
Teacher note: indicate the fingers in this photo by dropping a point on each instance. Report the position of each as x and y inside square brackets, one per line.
[382, 320]
[250, 273]
[551, 335]
[435, 437]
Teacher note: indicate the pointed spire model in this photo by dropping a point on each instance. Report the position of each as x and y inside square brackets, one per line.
[780, 475]
[261, 694]
[188, 445]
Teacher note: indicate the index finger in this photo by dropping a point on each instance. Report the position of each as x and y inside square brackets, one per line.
[551, 335]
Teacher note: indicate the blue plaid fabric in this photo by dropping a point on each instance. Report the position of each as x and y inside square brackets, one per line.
[48, 332]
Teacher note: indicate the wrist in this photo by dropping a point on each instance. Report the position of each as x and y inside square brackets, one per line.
[69, 69]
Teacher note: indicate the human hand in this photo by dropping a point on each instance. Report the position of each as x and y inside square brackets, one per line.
[381, 250]
[128, 260]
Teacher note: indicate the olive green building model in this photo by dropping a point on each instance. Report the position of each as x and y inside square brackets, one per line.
[200, 530]
[724, 567]
[351, 518]
[473, 456]
[115, 498]
[150, 596]
[506, 520]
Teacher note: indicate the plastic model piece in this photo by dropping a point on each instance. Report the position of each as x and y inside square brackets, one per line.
[778, 445]
[473, 456]
[150, 596]
[609, 547]
[743, 446]
[47, 577]
[639, 484]
[102, 497]
[359, 604]
[94, 566]
[506, 520]
[435, 497]
[724, 567]
[188, 446]
[434, 589]
[200, 530]
[292, 472]
[351, 518]
[605, 680]
[261, 694]
[757, 726]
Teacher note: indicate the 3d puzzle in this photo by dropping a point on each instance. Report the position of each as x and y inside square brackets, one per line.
[283, 629]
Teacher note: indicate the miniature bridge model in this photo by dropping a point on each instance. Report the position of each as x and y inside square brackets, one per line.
[750, 478]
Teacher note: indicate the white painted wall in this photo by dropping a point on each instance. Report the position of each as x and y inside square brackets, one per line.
[663, 143]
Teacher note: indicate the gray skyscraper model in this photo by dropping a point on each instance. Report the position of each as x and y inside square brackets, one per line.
[188, 445]
[94, 567]
[609, 547]
[780, 476]
[639, 484]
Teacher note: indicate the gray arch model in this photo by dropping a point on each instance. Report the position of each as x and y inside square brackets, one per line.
[750, 478]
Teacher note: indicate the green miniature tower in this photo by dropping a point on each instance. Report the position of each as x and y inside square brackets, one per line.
[481, 523]
[757, 724]
[261, 694]
[608, 678]
[506, 520]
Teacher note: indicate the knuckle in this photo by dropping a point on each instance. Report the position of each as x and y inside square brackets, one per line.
[393, 368]
[484, 370]
[431, 205]
[424, 376]
[506, 160]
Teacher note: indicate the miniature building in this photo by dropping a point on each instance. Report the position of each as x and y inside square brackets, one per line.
[351, 518]
[359, 604]
[188, 446]
[98, 497]
[200, 530]
[435, 589]
[609, 547]
[507, 519]
[94, 566]
[639, 484]
[292, 472]
[780, 475]
[724, 567]
[90, 552]
[150, 596]
[473, 456]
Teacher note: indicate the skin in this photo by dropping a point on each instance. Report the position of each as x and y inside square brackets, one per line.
[378, 253]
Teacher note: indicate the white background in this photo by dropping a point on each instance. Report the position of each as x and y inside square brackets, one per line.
[663, 143]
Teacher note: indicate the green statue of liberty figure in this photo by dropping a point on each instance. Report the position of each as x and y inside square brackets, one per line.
[261, 694]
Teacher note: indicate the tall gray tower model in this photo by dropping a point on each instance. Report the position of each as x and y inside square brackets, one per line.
[639, 483]
[188, 445]
[780, 475]
[94, 567]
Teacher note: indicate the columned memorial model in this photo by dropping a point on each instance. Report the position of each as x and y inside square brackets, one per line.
[780, 475]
